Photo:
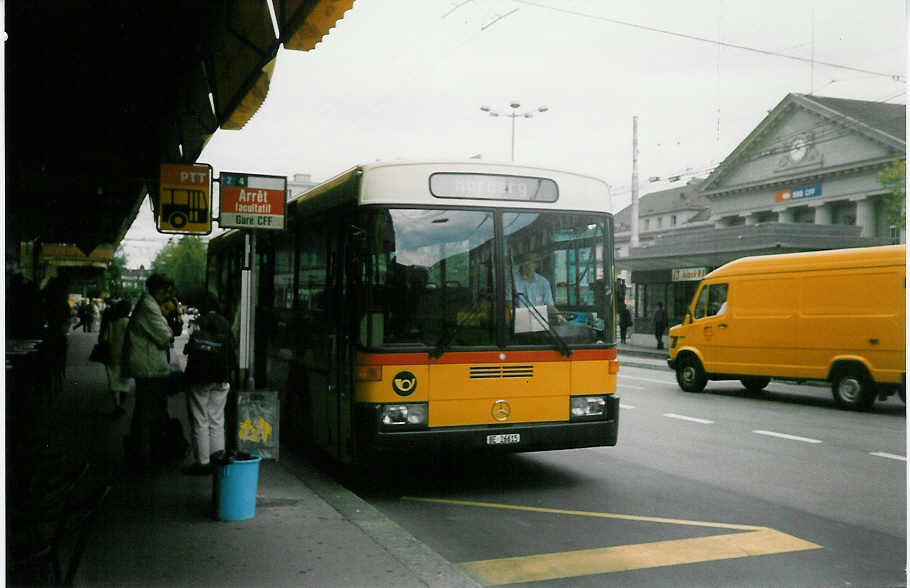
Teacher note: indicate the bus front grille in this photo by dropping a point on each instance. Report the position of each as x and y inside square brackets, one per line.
[501, 371]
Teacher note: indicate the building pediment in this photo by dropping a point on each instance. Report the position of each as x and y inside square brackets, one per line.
[807, 136]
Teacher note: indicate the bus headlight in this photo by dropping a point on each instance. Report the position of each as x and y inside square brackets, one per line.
[586, 407]
[403, 416]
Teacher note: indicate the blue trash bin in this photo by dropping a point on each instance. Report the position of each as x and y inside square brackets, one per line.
[234, 489]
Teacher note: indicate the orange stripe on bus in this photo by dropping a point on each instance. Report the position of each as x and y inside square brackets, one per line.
[476, 357]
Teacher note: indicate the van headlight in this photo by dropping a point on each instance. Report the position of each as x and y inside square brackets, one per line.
[587, 407]
[396, 417]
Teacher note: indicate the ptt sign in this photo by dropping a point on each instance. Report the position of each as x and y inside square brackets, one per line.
[252, 201]
[185, 198]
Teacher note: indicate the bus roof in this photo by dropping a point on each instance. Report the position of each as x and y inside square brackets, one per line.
[408, 182]
[887, 255]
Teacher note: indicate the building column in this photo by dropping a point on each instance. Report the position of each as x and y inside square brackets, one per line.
[822, 213]
[865, 215]
[720, 221]
[751, 218]
[784, 215]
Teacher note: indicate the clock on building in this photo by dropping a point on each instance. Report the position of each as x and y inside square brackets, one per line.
[798, 149]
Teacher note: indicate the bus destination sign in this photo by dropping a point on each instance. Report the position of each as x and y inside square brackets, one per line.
[251, 201]
[185, 198]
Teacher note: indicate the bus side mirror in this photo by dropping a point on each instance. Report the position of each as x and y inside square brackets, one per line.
[687, 319]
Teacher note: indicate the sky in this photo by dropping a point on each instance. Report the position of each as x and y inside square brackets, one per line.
[405, 79]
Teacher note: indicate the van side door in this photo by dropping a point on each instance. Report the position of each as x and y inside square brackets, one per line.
[709, 326]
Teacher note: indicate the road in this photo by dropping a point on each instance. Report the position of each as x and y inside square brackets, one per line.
[721, 488]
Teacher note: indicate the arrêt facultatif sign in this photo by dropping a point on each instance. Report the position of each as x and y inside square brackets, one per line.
[250, 201]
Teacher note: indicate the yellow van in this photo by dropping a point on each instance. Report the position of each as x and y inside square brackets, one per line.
[836, 316]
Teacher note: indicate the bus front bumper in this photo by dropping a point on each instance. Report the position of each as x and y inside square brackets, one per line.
[530, 436]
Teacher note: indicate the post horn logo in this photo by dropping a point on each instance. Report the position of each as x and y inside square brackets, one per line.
[404, 383]
[501, 410]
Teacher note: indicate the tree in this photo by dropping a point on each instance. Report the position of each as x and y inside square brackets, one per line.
[893, 178]
[113, 276]
[183, 261]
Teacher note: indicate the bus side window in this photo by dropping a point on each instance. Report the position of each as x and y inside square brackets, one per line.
[701, 303]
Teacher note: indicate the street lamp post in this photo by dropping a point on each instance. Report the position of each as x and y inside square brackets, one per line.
[515, 105]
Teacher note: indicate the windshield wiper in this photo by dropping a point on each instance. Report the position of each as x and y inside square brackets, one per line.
[558, 341]
[445, 339]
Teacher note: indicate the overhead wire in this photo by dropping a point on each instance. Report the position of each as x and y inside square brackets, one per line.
[895, 77]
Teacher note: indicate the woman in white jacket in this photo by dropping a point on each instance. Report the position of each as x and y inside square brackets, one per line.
[148, 339]
[114, 333]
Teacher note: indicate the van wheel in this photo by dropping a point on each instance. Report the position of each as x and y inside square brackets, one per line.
[853, 389]
[690, 375]
[755, 384]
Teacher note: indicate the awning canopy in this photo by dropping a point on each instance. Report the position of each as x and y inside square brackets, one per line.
[99, 94]
[714, 247]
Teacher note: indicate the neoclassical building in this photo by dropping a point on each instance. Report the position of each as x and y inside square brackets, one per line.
[804, 179]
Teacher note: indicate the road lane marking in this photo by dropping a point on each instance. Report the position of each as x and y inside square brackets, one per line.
[628, 387]
[688, 418]
[786, 436]
[883, 454]
[621, 405]
[656, 381]
[748, 542]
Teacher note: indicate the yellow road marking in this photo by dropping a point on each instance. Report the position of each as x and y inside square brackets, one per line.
[550, 566]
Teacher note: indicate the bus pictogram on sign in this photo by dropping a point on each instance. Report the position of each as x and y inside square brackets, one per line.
[185, 199]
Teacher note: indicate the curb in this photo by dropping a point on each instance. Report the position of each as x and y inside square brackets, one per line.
[426, 565]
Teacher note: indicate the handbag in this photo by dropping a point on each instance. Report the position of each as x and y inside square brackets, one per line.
[99, 352]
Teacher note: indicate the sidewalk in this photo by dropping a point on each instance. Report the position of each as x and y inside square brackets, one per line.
[157, 530]
[639, 356]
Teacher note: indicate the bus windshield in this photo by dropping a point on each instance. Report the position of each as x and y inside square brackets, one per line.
[439, 278]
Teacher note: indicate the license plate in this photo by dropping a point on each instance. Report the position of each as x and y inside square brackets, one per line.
[507, 439]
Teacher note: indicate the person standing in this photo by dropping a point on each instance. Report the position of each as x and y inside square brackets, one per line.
[209, 367]
[625, 321]
[115, 321]
[660, 324]
[148, 339]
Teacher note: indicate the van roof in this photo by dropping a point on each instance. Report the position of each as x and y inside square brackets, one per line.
[814, 260]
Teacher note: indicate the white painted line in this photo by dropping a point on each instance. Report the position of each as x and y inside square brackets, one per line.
[621, 405]
[688, 418]
[785, 436]
[628, 387]
[888, 455]
[647, 380]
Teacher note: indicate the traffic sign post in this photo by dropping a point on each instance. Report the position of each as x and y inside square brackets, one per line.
[185, 199]
[252, 202]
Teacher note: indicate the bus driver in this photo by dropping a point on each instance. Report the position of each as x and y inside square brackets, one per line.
[532, 288]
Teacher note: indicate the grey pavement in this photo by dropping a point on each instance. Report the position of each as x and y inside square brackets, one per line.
[157, 529]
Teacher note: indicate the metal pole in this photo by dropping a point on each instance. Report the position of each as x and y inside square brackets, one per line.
[251, 324]
[634, 241]
[513, 136]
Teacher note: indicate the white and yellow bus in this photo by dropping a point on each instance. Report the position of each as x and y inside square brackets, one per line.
[406, 309]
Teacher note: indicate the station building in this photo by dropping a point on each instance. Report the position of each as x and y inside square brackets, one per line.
[803, 180]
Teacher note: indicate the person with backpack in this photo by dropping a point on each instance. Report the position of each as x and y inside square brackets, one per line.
[210, 365]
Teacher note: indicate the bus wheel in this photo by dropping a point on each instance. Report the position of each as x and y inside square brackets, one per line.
[690, 375]
[178, 219]
[853, 389]
[755, 384]
[902, 392]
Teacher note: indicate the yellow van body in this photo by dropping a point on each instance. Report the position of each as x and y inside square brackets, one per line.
[836, 316]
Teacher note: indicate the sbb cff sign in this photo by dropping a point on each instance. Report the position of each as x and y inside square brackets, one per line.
[185, 198]
[252, 201]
